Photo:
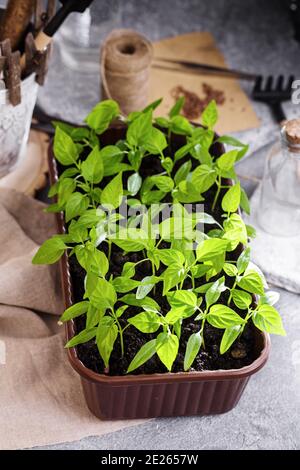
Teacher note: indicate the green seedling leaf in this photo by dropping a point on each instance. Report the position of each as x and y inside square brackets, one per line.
[90, 283]
[112, 194]
[97, 262]
[187, 193]
[69, 173]
[139, 131]
[172, 276]
[215, 290]
[227, 160]
[66, 187]
[270, 298]
[235, 231]
[232, 198]
[209, 116]
[242, 153]
[221, 316]
[180, 125]
[230, 269]
[121, 310]
[83, 337]
[102, 115]
[176, 314]
[192, 349]
[169, 256]
[254, 267]
[209, 249]
[128, 270]
[103, 294]
[167, 164]
[164, 183]
[143, 355]
[241, 299]
[124, 284]
[92, 168]
[245, 203]
[183, 151]
[50, 251]
[131, 239]
[76, 205]
[162, 122]
[107, 333]
[182, 298]
[229, 337]
[156, 142]
[202, 154]
[205, 138]
[217, 264]
[183, 172]
[167, 348]
[75, 311]
[203, 177]
[176, 228]
[226, 139]
[112, 157]
[266, 318]
[200, 270]
[89, 219]
[146, 322]
[175, 110]
[152, 106]
[204, 288]
[65, 150]
[134, 184]
[93, 316]
[145, 286]
[203, 218]
[54, 189]
[76, 133]
[146, 303]
[243, 261]
[252, 282]
[251, 232]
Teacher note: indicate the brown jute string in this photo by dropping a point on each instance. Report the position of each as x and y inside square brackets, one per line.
[125, 64]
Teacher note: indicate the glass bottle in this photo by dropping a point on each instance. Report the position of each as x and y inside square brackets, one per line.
[81, 35]
[279, 211]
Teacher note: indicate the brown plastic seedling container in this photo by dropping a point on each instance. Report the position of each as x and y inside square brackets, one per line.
[154, 395]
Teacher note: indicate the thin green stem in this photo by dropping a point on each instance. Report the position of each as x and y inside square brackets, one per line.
[114, 316]
[109, 250]
[121, 336]
[159, 242]
[218, 182]
[202, 331]
[231, 290]
[121, 339]
[248, 316]
[141, 261]
[93, 201]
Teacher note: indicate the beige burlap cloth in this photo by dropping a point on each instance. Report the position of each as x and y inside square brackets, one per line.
[41, 401]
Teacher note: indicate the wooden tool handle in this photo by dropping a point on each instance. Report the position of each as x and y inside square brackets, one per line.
[41, 42]
[15, 21]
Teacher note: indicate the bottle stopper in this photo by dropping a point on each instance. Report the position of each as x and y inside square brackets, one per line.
[292, 131]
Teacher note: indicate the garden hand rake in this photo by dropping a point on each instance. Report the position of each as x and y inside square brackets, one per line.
[273, 93]
[45, 37]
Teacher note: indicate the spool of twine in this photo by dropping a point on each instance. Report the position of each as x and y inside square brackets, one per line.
[125, 69]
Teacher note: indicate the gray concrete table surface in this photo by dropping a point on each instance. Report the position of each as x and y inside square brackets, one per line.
[254, 36]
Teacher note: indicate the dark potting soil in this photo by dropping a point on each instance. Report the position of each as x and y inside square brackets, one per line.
[241, 354]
